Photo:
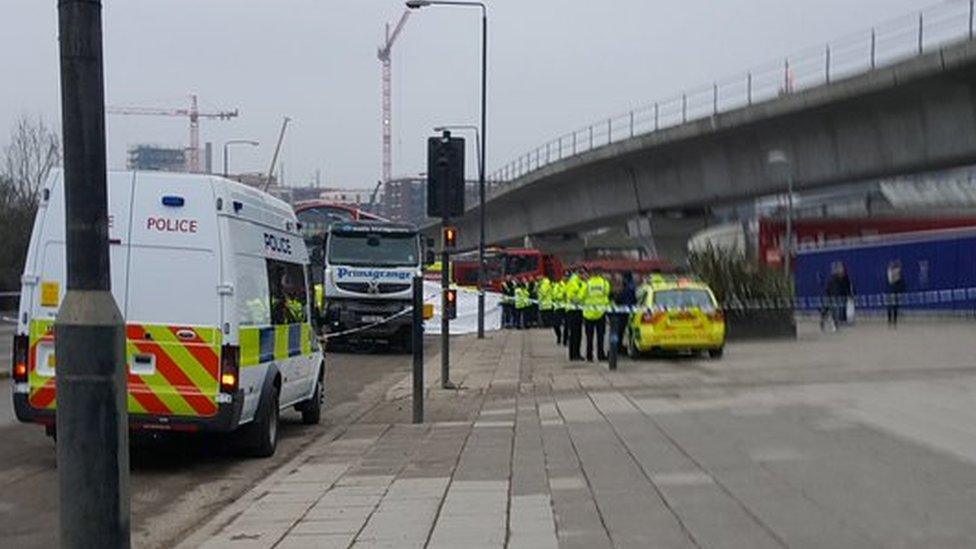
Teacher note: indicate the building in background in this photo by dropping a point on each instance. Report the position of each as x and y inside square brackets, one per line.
[405, 199]
[157, 158]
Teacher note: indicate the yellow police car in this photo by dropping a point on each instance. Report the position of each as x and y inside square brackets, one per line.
[676, 314]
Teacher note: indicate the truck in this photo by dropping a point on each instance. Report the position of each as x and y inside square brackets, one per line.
[938, 266]
[367, 286]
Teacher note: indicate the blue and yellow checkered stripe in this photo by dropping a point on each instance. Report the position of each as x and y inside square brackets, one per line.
[259, 344]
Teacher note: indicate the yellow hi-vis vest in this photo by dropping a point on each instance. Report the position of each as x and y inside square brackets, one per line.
[596, 297]
[521, 297]
[544, 291]
[574, 290]
[558, 295]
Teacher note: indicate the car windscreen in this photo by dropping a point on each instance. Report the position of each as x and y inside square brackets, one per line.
[373, 249]
[683, 299]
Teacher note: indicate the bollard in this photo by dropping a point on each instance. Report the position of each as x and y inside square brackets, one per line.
[417, 345]
[612, 356]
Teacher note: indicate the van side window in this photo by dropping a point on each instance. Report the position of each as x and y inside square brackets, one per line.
[252, 291]
[288, 292]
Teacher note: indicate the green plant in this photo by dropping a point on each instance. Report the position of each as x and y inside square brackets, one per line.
[735, 279]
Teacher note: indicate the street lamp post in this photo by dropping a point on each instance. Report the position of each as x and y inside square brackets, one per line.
[250, 142]
[416, 4]
[778, 157]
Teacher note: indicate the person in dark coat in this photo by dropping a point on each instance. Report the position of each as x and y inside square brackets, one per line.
[625, 297]
[896, 286]
[839, 290]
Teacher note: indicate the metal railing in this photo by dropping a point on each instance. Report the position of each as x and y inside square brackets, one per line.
[884, 45]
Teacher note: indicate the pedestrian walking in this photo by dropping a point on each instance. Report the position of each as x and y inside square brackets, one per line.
[896, 287]
[839, 292]
[596, 301]
[508, 304]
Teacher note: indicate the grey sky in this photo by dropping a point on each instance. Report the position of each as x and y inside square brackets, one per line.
[555, 65]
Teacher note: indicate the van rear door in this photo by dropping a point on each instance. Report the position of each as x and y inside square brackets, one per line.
[45, 278]
[172, 305]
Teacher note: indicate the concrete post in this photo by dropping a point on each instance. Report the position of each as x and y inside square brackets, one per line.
[92, 422]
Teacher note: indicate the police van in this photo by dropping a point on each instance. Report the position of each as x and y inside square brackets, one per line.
[211, 277]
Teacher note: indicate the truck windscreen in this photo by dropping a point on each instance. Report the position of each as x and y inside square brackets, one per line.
[374, 249]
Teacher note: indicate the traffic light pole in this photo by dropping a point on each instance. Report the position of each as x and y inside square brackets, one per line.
[445, 317]
[92, 422]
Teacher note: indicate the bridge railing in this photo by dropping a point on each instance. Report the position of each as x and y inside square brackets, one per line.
[883, 45]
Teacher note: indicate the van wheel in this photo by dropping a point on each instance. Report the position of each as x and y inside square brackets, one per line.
[716, 353]
[260, 437]
[311, 409]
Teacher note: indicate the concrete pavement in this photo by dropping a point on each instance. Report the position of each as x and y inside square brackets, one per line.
[864, 438]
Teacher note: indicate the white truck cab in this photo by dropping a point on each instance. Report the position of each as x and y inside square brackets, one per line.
[211, 277]
[369, 270]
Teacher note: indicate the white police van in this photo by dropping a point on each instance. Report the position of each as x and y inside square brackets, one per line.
[211, 277]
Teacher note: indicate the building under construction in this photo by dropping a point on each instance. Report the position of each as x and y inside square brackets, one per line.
[157, 158]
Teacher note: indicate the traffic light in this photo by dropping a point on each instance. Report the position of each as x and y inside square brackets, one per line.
[451, 304]
[450, 238]
[445, 176]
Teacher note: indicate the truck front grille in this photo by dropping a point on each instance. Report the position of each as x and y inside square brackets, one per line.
[364, 287]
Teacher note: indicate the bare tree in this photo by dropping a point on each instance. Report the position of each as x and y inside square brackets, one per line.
[25, 162]
[34, 149]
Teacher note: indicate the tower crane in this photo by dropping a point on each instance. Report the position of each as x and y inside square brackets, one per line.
[193, 113]
[383, 54]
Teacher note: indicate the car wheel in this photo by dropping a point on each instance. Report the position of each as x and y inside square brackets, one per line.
[716, 353]
[632, 350]
[311, 409]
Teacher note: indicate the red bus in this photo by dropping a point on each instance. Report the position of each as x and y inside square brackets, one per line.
[503, 264]
[316, 216]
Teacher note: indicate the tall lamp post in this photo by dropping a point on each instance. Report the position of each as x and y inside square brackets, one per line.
[779, 158]
[250, 142]
[417, 4]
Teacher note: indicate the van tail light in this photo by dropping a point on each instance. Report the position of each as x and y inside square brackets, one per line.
[21, 347]
[229, 369]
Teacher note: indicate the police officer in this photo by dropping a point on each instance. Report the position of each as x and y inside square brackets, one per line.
[596, 300]
[543, 290]
[508, 304]
[522, 301]
[574, 296]
[558, 309]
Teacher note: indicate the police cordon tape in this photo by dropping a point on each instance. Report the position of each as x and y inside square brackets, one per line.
[868, 301]
[379, 322]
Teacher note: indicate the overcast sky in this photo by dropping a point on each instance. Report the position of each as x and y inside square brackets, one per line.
[555, 65]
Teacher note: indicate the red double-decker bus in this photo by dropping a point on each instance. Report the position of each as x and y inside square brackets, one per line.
[503, 264]
[316, 216]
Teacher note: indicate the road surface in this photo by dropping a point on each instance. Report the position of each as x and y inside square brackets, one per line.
[175, 486]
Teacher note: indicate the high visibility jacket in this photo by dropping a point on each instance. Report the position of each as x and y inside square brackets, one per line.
[558, 295]
[319, 296]
[596, 297]
[574, 290]
[521, 297]
[544, 289]
[294, 311]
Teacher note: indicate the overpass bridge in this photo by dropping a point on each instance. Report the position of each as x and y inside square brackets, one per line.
[870, 107]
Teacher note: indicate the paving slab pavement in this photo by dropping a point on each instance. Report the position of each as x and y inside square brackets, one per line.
[850, 440]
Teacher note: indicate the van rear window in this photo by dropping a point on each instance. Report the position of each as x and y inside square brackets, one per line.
[683, 299]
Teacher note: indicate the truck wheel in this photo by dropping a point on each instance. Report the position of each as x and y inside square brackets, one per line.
[260, 437]
[311, 409]
[406, 342]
